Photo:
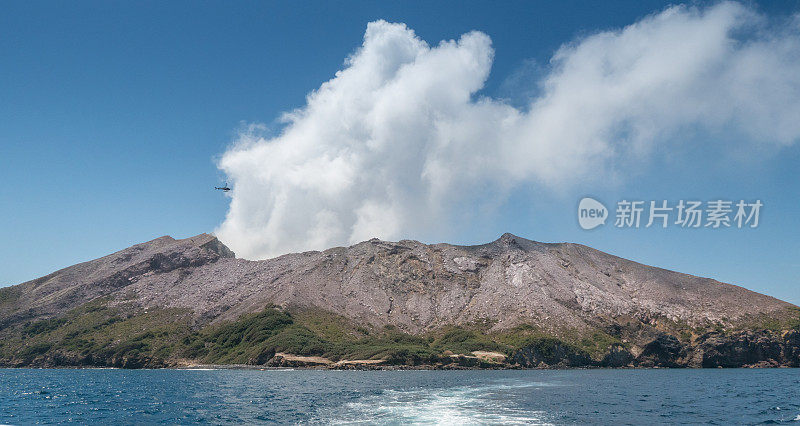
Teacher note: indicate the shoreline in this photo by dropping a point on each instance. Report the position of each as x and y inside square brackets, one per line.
[214, 367]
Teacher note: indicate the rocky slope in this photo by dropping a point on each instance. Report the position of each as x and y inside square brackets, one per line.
[538, 304]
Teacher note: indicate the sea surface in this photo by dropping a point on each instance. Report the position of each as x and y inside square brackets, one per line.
[400, 397]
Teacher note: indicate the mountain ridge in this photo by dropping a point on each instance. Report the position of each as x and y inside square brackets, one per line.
[511, 286]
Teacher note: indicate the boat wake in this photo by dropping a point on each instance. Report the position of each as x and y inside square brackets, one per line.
[467, 405]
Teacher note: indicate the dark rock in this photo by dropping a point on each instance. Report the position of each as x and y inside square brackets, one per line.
[617, 356]
[551, 352]
[664, 351]
[264, 357]
[791, 348]
[749, 348]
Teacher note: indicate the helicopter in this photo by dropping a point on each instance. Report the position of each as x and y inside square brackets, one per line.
[223, 188]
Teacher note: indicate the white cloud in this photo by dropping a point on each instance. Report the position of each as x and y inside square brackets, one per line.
[397, 141]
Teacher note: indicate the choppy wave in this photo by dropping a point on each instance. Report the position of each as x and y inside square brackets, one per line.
[740, 396]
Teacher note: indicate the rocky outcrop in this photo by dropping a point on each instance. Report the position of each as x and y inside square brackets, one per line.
[664, 351]
[289, 360]
[791, 350]
[713, 350]
[617, 357]
[749, 348]
[112, 275]
[551, 352]
[99, 359]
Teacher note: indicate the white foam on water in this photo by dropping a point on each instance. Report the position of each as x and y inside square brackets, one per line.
[448, 406]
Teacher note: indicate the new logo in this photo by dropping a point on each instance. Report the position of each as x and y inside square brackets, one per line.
[591, 213]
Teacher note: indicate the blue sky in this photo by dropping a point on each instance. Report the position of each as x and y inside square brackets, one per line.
[113, 116]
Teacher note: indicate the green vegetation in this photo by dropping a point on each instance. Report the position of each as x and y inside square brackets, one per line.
[519, 335]
[547, 347]
[253, 339]
[390, 344]
[789, 320]
[794, 322]
[328, 326]
[97, 334]
[463, 341]
[597, 344]
[9, 295]
[36, 349]
[43, 326]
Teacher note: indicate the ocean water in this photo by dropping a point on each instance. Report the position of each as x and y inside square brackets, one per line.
[400, 397]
